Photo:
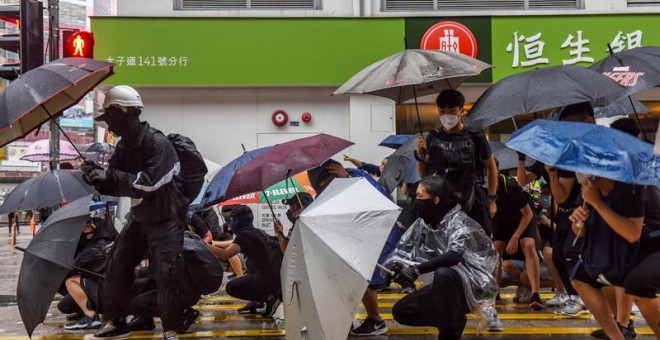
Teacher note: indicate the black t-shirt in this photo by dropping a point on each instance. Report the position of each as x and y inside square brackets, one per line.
[199, 225]
[510, 199]
[254, 248]
[482, 149]
[650, 240]
[538, 169]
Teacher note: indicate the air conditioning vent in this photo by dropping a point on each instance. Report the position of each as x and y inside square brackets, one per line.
[209, 5]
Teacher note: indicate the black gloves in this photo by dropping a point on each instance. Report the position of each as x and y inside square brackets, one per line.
[521, 156]
[93, 172]
[405, 276]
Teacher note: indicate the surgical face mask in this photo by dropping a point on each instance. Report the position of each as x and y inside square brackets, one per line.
[580, 177]
[545, 201]
[448, 121]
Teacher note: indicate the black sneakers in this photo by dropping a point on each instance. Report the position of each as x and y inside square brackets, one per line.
[628, 332]
[536, 303]
[271, 307]
[370, 327]
[187, 319]
[117, 329]
[252, 307]
[141, 324]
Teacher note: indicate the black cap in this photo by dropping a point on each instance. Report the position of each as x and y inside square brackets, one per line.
[319, 175]
[304, 197]
[240, 211]
[226, 210]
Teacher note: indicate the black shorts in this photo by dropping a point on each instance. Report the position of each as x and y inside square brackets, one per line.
[91, 287]
[582, 276]
[644, 280]
[504, 233]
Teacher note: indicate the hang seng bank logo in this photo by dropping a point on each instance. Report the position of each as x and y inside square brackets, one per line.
[624, 76]
[450, 36]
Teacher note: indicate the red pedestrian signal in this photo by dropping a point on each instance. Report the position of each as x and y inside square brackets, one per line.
[78, 44]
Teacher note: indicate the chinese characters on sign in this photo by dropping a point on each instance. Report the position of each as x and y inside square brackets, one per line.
[528, 50]
[158, 61]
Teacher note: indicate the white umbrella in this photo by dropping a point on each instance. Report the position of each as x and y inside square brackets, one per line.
[331, 256]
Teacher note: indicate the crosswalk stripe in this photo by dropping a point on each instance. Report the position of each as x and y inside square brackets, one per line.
[392, 331]
[386, 296]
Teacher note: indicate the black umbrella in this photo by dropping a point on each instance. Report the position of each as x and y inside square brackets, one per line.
[542, 89]
[47, 261]
[507, 158]
[46, 190]
[41, 94]
[637, 69]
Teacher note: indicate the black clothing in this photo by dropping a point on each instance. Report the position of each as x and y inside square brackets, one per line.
[253, 246]
[605, 252]
[575, 195]
[372, 169]
[147, 168]
[538, 169]
[644, 279]
[459, 157]
[93, 254]
[650, 240]
[198, 224]
[253, 287]
[448, 259]
[425, 306]
[510, 199]
[213, 223]
[564, 254]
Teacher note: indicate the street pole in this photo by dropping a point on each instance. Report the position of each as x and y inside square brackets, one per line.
[54, 54]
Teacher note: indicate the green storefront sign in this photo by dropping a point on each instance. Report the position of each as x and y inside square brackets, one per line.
[242, 52]
[328, 51]
[528, 42]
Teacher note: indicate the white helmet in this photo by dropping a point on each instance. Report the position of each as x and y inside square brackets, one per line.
[123, 96]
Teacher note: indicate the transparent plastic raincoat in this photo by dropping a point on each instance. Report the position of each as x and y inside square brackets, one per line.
[457, 232]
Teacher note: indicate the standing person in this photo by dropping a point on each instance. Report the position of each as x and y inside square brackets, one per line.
[460, 154]
[514, 227]
[145, 167]
[459, 254]
[565, 193]
[11, 218]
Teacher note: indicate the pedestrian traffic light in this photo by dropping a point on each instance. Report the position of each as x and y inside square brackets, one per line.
[78, 44]
[28, 42]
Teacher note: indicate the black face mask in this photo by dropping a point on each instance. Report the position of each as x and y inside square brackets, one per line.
[428, 211]
[289, 215]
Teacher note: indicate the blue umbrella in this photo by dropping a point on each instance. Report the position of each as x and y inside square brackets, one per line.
[216, 189]
[589, 149]
[395, 141]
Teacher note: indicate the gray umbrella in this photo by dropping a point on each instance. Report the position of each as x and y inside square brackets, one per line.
[46, 190]
[47, 260]
[619, 107]
[542, 89]
[507, 157]
[413, 73]
[401, 166]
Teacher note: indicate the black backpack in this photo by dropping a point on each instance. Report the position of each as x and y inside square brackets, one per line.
[193, 168]
[202, 265]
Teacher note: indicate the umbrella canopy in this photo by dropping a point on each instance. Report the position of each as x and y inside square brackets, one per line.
[99, 152]
[401, 167]
[412, 73]
[283, 161]
[46, 190]
[277, 192]
[395, 141]
[216, 189]
[506, 157]
[622, 106]
[39, 151]
[637, 69]
[332, 255]
[590, 149]
[47, 261]
[541, 89]
[44, 92]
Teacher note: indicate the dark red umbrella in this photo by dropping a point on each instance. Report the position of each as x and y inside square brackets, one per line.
[41, 94]
[283, 161]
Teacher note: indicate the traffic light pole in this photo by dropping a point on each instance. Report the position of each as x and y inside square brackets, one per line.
[54, 54]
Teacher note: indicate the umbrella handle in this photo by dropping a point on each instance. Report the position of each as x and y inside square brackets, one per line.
[65, 135]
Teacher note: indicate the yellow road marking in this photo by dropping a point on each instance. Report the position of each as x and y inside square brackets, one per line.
[392, 331]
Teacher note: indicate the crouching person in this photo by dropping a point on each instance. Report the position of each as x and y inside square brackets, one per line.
[454, 249]
[203, 275]
[262, 282]
[84, 285]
